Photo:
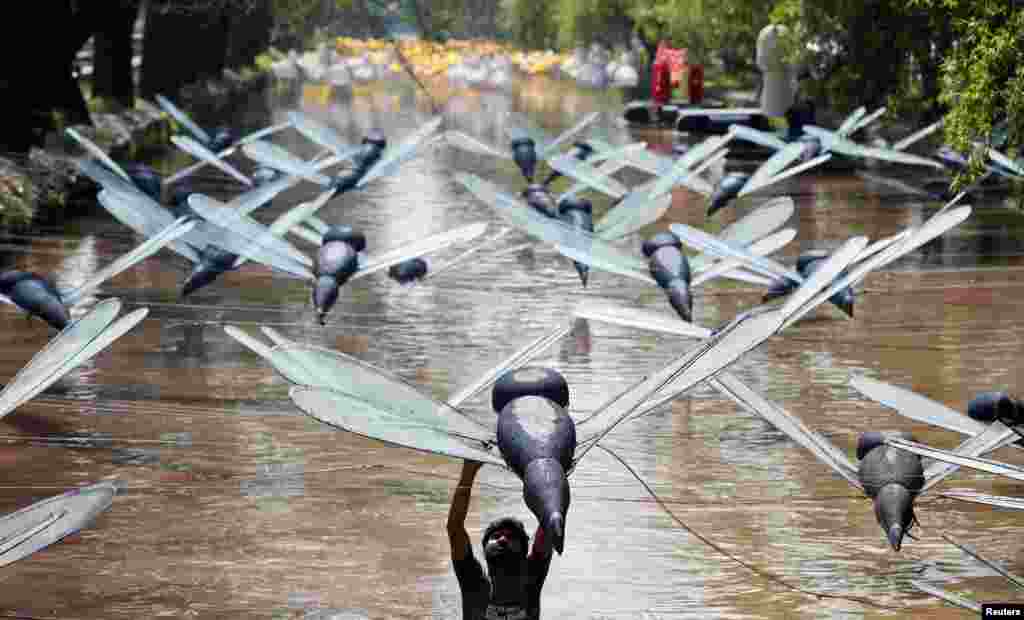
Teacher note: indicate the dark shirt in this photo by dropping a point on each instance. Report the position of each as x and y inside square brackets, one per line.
[476, 589]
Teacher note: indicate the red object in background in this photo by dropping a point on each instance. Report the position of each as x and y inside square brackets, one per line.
[661, 83]
[669, 66]
[696, 83]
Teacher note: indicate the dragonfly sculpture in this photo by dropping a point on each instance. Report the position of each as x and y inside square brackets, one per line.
[210, 149]
[892, 482]
[596, 250]
[39, 296]
[222, 238]
[989, 414]
[533, 435]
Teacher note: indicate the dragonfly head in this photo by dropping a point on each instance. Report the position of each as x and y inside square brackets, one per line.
[345, 234]
[530, 381]
[223, 137]
[524, 152]
[660, 240]
[376, 139]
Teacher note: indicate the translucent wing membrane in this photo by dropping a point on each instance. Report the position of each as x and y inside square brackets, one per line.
[184, 119]
[74, 345]
[35, 527]
[419, 248]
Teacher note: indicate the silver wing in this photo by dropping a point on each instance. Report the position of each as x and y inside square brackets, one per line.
[73, 346]
[143, 251]
[204, 154]
[184, 119]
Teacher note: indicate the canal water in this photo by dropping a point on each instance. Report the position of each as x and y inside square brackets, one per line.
[234, 504]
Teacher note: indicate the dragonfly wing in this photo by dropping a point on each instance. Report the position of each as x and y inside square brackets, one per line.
[106, 179]
[851, 121]
[995, 436]
[357, 416]
[900, 185]
[935, 226]
[319, 133]
[299, 214]
[399, 154]
[917, 136]
[623, 220]
[276, 157]
[583, 245]
[585, 173]
[852, 149]
[545, 150]
[1005, 161]
[35, 527]
[766, 219]
[763, 247]
[253, 199]
[99, 154]
[916, 407]
[949, 597]
[232, 221]
[808, 296]
[775, 164]
[701, 240]
[183, 118]
[74, 345]
[742, 335]
[789, 172]
[622, 153]
[420, 247]
[999, 501]
[202, 153]
[516, 360]
[864, 122]
[471, 144]
[822, 448]
[761, 138]
[971, 462]
[254, 136]
[130, 259]
[640, 319]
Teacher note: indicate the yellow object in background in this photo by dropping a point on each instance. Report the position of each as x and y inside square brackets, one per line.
[317, 94]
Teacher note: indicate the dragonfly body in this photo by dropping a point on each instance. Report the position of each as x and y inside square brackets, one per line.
[337, 261]
[537, 439]
[892, 478]
[726, 190]
[671, 270]
[578, 213]
[35, 295]
[806, 263]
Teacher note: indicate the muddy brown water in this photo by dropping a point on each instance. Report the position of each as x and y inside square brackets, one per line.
[235, 505]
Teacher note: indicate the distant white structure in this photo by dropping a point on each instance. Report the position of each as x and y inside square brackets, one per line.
[780, 78]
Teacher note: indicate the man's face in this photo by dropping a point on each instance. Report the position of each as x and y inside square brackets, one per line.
[503, 542]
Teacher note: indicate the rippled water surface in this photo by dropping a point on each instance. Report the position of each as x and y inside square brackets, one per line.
[234, 504]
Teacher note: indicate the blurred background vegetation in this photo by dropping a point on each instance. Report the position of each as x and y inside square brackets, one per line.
[960, 60]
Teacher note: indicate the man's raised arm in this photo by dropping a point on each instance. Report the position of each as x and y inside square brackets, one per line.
[457, 535]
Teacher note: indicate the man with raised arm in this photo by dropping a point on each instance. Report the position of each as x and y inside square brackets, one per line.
[511, 588]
